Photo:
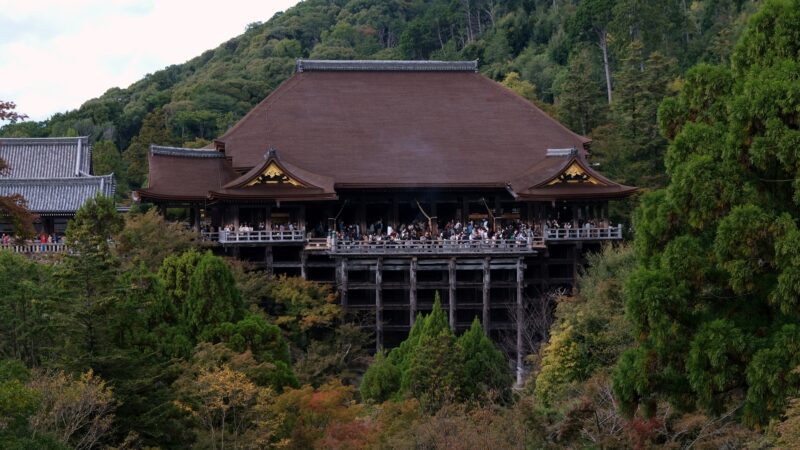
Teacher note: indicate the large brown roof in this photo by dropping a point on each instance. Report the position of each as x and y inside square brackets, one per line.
[395, 124]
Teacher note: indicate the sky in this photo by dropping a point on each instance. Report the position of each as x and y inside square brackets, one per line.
[56, 54]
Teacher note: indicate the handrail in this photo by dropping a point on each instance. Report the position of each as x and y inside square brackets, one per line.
[233, 237]
[583, 234]
[433, 246]
[31, 247]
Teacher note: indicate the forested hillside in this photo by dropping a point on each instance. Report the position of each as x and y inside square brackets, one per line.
[686, 338]
[601, 66]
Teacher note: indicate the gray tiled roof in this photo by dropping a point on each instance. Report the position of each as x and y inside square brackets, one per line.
[46, 157]
[58, 195]
[308, 65]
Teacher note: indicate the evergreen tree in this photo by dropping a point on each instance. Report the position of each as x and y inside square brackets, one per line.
[716, 250]
[212, 298]
[88, 276]
[107, 159]
[154, 131]
[486, 371]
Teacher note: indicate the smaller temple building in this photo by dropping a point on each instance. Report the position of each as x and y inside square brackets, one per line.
[53, 175]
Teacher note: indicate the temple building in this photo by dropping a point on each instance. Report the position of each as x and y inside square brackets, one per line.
[393, 180]
[53, 175]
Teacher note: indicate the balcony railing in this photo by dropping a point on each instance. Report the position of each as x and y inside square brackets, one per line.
[255, 237]
[31, 248]
[434, 246]
[582, 234]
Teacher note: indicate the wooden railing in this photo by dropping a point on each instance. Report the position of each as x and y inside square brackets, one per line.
[264, 236]
[30, 247]
[582, 234]
[434, 246]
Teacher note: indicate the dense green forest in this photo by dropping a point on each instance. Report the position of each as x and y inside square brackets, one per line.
[686, 338]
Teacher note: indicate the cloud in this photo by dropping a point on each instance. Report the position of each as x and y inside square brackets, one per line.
[54, 55]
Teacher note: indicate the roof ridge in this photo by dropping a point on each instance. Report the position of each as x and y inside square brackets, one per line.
[384, 65]
[44, 139]
[184, 152]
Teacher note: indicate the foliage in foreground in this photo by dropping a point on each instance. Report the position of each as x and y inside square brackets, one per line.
[436, 368]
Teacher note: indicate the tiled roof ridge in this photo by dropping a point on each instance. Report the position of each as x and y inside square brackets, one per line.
[323, 65]
[61, 180]
[184, 152]
[49, 140]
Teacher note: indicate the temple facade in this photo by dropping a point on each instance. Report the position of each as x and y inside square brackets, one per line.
[395, 180]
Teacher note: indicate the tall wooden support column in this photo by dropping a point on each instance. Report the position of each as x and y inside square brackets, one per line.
[268, 259]
[452, 298]
[303, 270]
[343, 282]
[235, 210]
[379, 305]
[412, 292]
[520, 320]
[487, 279]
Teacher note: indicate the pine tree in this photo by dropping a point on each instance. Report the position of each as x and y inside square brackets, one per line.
[486, 372]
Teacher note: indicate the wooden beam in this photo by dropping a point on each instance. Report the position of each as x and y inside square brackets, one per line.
[343, 283]
[520, 320]
[452, 298]
[487, 279]
[378, 305]
[268, 259]
[412, 291]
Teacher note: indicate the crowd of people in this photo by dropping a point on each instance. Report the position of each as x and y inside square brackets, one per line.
[454, 230]
[261, 226]
[42, 238]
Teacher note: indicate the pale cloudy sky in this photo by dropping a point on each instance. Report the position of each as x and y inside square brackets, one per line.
[56, 54]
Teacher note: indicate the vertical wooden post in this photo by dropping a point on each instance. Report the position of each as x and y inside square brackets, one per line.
[487, 279]
[520, 320]
[268, 259]
[412, 291]
[378, 305]
[343, 283]
[235, 209]
[303, 258]
[452, 298]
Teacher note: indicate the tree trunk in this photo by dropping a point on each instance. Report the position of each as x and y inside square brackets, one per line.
[603, 44]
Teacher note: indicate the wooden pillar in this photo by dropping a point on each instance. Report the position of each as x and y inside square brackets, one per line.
[268, 217]
[235, 211]
[451, 306]
[268, 259]
[487, 279]
[412, 291]
[378, 305]
[303, 272]
[464, 211]
[343, 283]
[520, 320]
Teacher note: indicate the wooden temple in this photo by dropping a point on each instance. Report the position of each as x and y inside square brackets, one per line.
[324, 177]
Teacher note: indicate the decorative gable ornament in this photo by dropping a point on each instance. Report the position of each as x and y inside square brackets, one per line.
[273, 174]
[575, 173]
